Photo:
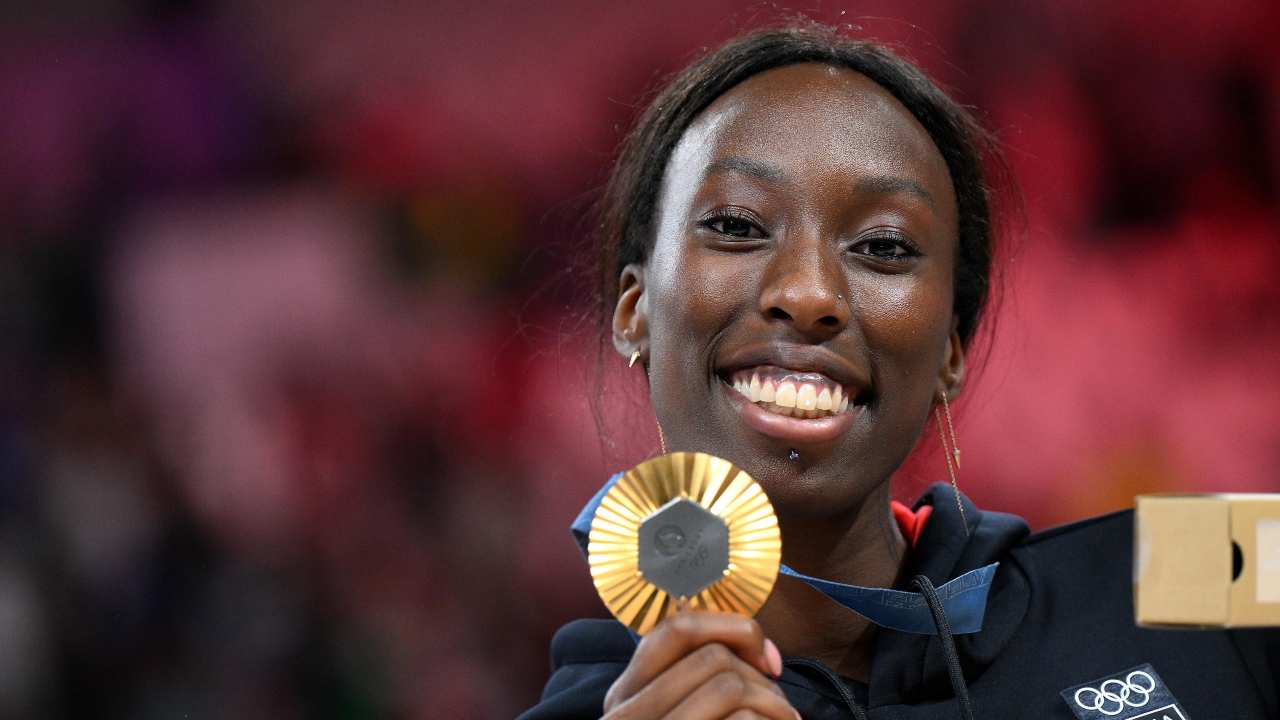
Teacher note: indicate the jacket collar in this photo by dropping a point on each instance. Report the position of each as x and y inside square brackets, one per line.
[909, 668]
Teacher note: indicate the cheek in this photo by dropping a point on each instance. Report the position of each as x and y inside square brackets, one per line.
[907, 322]
[695, 294]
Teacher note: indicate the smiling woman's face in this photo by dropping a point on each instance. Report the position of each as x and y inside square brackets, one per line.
[799, 291]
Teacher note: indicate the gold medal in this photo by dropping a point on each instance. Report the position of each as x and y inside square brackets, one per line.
[680, 531]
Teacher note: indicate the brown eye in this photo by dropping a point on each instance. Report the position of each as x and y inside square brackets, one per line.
[886, 248]
[733, 225]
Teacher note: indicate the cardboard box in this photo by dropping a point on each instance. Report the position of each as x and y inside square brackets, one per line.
[1207, 560]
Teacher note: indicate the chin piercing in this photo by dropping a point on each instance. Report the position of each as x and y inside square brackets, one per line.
[792, 455]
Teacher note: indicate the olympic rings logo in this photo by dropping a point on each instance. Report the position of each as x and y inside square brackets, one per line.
[1113, 696]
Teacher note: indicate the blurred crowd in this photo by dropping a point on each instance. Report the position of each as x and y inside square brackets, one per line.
[301, 380]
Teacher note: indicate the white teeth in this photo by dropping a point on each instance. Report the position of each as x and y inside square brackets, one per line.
[786, 396]
[824, 399]
[807, 397]
[792, 399]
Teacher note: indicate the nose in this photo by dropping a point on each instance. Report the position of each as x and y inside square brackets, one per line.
[806, 289]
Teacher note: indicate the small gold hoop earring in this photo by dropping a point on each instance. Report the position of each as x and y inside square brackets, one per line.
[634, 357]
[950, 451]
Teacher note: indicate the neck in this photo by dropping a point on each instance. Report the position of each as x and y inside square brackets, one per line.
[865, 548]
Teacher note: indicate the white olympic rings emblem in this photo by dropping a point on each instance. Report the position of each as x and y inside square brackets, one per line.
[1117, 693]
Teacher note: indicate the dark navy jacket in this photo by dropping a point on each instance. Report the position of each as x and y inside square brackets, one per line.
[1059, 618]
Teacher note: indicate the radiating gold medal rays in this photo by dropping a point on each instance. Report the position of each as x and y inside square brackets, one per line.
[684, 530]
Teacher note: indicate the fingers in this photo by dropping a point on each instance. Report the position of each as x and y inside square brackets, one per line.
[681, 634]
[729, 693]
[710, 665]
[701, 665]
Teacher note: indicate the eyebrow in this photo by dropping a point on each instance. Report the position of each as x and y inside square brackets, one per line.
[762, 170]
[886, 184]
[878, 184]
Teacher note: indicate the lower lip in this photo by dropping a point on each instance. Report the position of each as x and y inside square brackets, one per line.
[796, 430]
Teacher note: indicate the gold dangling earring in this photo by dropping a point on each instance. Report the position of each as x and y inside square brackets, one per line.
[950, 452]
[951, 429]
[634, 357]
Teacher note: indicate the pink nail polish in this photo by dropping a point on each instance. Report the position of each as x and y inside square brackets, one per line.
[773, 658]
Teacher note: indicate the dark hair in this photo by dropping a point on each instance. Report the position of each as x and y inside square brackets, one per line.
[631, 195]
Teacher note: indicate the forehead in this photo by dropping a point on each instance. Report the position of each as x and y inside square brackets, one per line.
[812, 119]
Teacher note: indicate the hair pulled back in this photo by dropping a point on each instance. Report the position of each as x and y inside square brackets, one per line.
[631, 195]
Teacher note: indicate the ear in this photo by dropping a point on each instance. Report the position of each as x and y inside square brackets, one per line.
[951, 375]
[631, 314]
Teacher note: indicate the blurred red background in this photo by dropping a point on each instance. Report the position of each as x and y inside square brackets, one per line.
[299, 376]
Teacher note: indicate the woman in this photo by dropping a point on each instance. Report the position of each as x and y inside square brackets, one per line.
[796, 217]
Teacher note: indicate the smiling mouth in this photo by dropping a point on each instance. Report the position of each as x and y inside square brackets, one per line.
[803, 395]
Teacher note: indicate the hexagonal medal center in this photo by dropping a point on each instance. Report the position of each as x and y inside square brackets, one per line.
[683, 548]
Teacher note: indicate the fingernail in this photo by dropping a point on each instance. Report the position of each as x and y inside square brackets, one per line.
[773, 658]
